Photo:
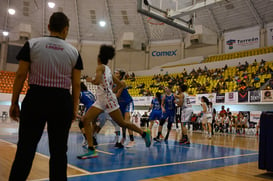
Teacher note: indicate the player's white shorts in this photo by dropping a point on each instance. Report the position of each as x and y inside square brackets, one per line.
[107, 103]
[186, 114]
[206, 118]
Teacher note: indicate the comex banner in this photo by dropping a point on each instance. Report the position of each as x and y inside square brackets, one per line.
[242, 40]
[164, 53]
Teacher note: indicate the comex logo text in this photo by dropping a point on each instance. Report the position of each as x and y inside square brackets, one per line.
[164, 53]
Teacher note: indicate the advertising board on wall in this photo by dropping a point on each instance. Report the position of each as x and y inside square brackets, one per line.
[267, 95]
[242, 40]
[231, 97]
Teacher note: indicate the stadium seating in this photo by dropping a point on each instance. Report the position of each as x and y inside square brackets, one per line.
[240, 54]
[202, 80]
[6, 82]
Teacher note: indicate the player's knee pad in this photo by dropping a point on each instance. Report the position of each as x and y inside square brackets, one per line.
[161, 122]
[169, 126]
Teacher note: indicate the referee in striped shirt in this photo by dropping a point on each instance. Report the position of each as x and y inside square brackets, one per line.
[52, 66]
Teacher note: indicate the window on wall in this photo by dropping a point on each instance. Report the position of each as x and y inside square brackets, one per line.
[13, 50]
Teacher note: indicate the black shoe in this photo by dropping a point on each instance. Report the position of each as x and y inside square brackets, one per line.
[157, 139]
[118, 145]
[95, 143]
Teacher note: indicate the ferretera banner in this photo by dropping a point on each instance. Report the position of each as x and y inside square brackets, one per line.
[242, 40]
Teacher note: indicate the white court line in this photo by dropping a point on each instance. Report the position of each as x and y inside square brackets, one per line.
[107, 153]
[170, 164]
[106, 144]
[152, 166]
[71, 176]
[45, 156]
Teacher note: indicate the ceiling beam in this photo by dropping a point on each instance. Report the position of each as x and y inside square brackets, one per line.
[214, 21]
[254, 12]
[43, 19]
[79, 37]
[6, 18]
[110, 21]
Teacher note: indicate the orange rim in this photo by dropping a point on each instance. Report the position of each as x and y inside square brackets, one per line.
[153, 23]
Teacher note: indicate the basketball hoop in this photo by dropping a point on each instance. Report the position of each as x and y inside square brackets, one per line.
[156, 28]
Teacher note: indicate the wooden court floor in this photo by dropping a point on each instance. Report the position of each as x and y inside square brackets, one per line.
[243, 171]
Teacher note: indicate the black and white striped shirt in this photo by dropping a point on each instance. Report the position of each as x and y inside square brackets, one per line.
[52, 61]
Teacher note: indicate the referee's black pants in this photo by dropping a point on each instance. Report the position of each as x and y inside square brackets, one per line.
[40, 106]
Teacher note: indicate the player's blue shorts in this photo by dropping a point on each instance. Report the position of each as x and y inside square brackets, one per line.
[126, 107]
[170, 115]
[155, 115]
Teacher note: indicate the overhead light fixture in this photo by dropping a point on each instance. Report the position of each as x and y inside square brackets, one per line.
[102, 23]
[51, 4]
[11, 11]
[5, 33]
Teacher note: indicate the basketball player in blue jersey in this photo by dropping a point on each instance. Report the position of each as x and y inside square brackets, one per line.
[106, 101]
[126, 105]
[186, 111]
[87, 99]
[168, 112]
[156, 110]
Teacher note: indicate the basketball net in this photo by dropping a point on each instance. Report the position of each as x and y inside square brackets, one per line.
[156, 28]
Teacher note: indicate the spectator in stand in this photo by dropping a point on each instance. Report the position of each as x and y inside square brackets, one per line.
[225, 67]
[271, 83]
[127, 76]
[251, 87]
[258, 128]
[238, 66]
[218, 123]
[140, 86]
[229, 79]
[141, 92]
[242, 86]
[262, 64]
[147, 92]
[241, 122]
[246, 64]
[268, 88]
[185, 73]
[228, 111]
[231, 122]
[132, 77]
[254, 63]
[256, 79]
[144, 120]
[223, 111]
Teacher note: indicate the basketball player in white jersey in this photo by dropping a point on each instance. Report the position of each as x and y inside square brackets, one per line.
[186, 111]
[207, 115]
[106, 101]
